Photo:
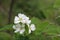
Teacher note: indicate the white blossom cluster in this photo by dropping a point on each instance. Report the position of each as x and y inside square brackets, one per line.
[20, 22]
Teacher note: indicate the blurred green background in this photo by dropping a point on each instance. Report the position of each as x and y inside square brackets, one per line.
[44, 13]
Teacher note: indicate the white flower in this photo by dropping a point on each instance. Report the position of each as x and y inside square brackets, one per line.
[20, 22]
[19, 28]
[31, 28]
[21, 18]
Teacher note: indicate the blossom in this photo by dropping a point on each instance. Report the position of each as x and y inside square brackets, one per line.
[21, 18]
[31, 28]
[21, 22]
[19, 28]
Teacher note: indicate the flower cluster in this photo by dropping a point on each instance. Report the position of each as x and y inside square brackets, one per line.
[20, 22]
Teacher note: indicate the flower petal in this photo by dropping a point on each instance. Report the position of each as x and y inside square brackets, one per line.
[28, 21]
[32, 27]
[26, 17]
[16, 20]
[21, 15]
[14, 27]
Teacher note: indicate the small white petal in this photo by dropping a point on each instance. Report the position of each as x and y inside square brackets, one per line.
[21, 15]
[14, 27]
[28, 21]
[16, 20]
[27, 18]
[32, 27]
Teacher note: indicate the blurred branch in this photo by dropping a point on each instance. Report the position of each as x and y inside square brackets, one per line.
[10, 11]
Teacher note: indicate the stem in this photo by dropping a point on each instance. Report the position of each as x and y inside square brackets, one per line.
[10, 11]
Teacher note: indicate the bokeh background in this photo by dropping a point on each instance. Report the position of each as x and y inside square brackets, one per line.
[44, 13]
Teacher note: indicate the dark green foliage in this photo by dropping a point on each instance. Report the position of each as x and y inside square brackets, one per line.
[38, 9]
[57, 20]
[17, 36]
[7, 28]
[44, 31]
[29, 7]
[5, 36]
